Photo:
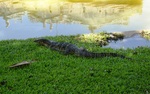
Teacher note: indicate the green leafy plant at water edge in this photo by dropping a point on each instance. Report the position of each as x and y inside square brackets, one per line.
[100, 39]
[146, 34]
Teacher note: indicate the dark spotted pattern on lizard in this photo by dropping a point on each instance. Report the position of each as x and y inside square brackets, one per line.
[68, 48]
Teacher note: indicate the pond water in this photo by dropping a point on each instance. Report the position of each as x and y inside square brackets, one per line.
[22, 19]
[129, 42]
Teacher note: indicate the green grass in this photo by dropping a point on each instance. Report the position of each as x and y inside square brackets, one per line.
[55, 73]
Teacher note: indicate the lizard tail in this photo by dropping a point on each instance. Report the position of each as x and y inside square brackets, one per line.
[95, 55]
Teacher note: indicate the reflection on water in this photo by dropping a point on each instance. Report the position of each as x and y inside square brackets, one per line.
[131, 42]
[20, 19]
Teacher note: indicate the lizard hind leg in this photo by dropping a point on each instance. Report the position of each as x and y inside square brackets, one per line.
[66, 52]
[82, 49]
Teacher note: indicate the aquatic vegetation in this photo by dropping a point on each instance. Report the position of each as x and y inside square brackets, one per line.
[101, 38]
[146, 34]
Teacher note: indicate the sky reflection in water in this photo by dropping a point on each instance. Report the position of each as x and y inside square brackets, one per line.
[27, 19]
[132, 42]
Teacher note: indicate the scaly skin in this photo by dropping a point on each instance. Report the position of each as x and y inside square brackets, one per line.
[68, 48]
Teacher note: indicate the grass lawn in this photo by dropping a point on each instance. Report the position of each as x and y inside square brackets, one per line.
[55, 73]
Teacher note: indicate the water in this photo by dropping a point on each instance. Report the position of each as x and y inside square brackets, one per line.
[22, 19]
[130, 42]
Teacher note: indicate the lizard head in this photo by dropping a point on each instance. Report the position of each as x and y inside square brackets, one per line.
[43, 42]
